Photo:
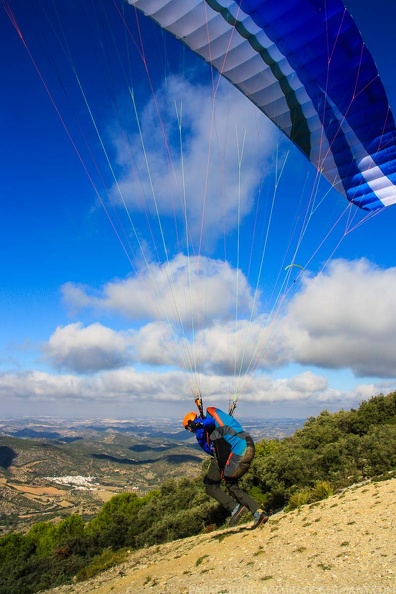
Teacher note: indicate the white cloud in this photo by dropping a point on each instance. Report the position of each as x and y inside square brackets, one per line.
[191, 291]
[301, 388]
[226, 348]
[133, 391]
[221, 140]
[233, 347]
[39, 386]
[89, 349]
[122, 385]
[154, 345]
[345, 318]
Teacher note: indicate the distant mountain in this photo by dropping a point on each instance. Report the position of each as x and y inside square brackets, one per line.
[34, 434]
[42, 473]
[163, 429]
[37, 454]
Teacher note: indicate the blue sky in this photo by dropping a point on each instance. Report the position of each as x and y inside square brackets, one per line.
[116, 315]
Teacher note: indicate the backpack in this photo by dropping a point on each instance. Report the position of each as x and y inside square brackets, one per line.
[228, 437]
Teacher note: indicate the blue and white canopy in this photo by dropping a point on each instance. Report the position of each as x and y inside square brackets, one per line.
[304, 64]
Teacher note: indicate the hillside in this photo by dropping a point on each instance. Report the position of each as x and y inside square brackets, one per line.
[343, 544]
[52, 468]
[43, 478]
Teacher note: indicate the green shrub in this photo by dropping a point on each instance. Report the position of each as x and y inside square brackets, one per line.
[299, 498]
[105, 560]
[321, 490]
[340, 448]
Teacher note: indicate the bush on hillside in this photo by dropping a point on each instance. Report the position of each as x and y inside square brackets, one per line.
[341, 448]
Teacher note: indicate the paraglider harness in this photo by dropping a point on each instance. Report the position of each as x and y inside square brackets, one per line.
[233, 448]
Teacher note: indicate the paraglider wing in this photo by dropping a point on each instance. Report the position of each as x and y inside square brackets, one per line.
[293, 265]
[304, 64]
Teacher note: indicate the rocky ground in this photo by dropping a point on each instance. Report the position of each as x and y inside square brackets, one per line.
[345, 544]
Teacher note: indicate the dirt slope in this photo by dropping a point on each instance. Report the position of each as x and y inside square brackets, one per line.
[345, 544]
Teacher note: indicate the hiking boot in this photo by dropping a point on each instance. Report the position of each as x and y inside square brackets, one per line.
[236, 514]
[259, 517]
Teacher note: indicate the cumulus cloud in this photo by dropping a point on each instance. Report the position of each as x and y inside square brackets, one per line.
[226, 348]
[131, 387]
[154, 344]
[207, 176]
[344, 318]
[190, 291]
[39, 386]
[88, 349]
[234, 347]
[121, 385]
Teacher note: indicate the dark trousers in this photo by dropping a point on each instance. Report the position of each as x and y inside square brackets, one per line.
[234, 495]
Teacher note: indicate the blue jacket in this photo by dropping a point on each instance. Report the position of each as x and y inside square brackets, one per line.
[202, 429]
[220, 435]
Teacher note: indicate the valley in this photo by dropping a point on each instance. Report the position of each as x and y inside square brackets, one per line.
[52, 468]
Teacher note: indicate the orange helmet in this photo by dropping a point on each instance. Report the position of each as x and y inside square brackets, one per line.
[191, 416]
